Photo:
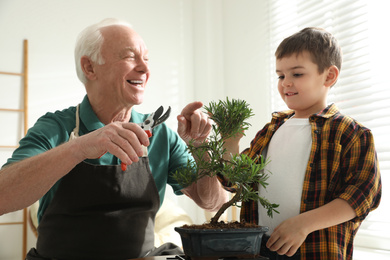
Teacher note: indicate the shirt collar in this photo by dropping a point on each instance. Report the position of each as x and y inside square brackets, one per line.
[92, 122]
[88, 116]
[137, 117]
[327, 112]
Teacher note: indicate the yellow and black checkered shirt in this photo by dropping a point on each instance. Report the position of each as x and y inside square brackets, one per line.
[342, 164]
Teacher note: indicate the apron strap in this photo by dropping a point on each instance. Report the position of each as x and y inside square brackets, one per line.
[75, 132]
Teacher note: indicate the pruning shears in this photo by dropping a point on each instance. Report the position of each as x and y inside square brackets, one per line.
[154, 119]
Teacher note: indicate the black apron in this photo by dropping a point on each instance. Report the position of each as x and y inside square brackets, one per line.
[100, 212]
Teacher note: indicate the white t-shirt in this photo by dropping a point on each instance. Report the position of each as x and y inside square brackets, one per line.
[288, 154]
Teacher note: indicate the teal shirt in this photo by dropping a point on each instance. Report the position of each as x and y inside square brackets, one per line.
[167, 151]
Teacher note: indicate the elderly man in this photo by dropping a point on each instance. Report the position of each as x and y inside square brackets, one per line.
[89, 207]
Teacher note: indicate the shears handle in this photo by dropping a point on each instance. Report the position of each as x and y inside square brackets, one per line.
[123, 165]
[149, 133]
[152, 121]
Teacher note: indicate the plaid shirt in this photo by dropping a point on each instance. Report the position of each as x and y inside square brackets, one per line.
[342, 164]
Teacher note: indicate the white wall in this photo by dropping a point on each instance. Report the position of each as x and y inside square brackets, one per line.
[199, 50]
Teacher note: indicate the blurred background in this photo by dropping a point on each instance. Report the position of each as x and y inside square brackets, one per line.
[198, 50]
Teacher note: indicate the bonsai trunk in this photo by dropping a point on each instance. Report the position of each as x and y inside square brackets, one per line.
[236, 198]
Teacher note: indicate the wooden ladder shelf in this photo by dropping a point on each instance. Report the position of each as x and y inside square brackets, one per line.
[24, 110]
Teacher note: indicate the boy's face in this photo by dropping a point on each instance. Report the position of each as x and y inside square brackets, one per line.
[300, 85]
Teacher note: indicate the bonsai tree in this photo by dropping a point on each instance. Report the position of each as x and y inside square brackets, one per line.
[239, 170]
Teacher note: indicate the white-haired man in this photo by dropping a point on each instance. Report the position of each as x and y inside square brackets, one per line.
[70, 159]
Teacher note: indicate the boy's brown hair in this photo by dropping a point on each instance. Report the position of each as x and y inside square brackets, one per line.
[322, 46]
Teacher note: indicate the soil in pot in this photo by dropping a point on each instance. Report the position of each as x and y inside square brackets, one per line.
[222, 225]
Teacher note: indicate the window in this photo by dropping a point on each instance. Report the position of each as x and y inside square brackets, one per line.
[362, 90]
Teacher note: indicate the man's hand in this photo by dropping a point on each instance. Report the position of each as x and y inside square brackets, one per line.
[207, 192]
[193, 123]
[124, 140]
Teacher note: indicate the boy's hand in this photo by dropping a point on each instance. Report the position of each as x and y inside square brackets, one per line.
[291, 233]
[288, 236]
[232, 146]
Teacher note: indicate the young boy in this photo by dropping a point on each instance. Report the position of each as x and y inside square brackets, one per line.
[323, 164]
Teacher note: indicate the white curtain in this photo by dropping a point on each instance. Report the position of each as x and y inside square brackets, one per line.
[362, 91]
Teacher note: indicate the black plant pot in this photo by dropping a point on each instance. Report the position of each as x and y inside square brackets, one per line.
[219, 243]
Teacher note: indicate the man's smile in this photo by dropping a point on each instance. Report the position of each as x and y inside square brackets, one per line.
[136, 82]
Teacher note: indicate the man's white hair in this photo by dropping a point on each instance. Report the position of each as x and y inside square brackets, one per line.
[89, 43]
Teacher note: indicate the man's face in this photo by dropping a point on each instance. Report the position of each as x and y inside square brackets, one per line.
[123, 76]
[300, 85]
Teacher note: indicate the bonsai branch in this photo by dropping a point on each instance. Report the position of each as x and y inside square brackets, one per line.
[233, 201]
[212, 158]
